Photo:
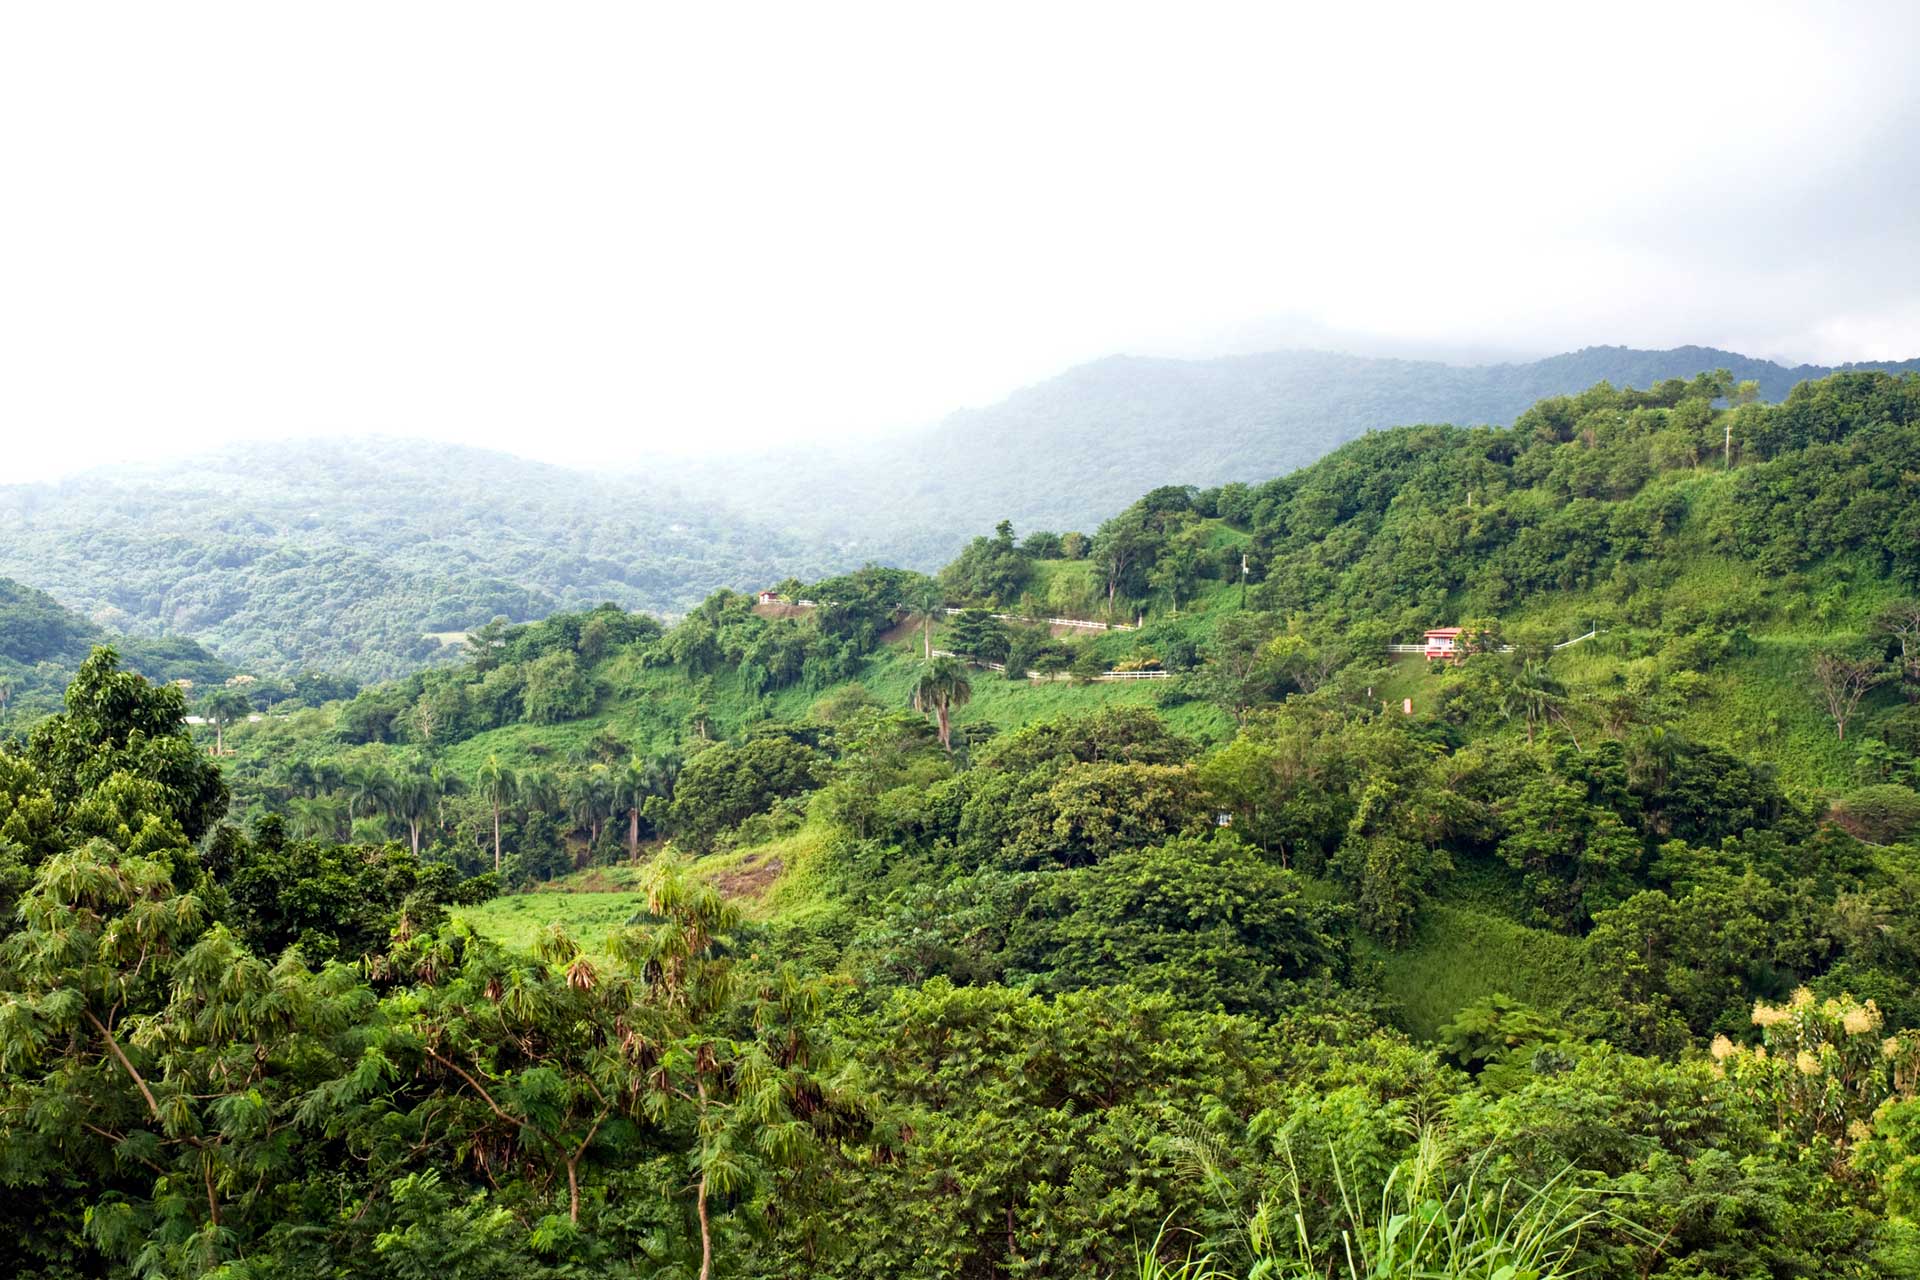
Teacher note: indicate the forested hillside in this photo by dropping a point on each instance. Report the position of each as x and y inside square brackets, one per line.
[1069, 451]
[1118, 900]
[353, 557]
[42, 644]
[365, 560]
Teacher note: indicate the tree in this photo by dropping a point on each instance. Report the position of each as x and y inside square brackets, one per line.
[943, 685]
[1842, 680]
[979, 635]
[590, 798]
[633, 785]
[926, 603]
[751, 1105]
[1534, 695]
[1900, 622]
[496, 785]
[1177, 566]
[1207, 921]
[1242, 671]
[1119, 548]
[726, 784]
[414, 798]
[223, 707]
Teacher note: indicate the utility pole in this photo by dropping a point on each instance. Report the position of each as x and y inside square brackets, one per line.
[1729, 444]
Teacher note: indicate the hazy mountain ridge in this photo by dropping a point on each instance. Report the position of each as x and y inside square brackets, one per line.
[342, 556]
[1068, 452]
[345, 556]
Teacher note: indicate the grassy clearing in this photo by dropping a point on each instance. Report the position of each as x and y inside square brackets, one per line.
[776, 878]
[1461, 954]
[516, 920]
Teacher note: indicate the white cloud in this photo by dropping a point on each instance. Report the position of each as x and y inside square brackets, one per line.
[599, 232]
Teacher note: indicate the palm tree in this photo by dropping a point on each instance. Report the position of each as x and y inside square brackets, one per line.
[497, 785]
[1651, 756]
[446, 783]
[633, 786]
[925, 601]
[223, 707]
[943, 685]
[316, 817]
[414, 795]
[367, 785]
[588, 793]
[1534, 695]
[539, 791]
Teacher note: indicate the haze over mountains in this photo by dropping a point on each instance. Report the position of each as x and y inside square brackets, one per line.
[1068, 452]
[348, 556]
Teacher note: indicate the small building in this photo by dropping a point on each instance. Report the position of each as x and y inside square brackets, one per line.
[1444, 642]
[769, 596]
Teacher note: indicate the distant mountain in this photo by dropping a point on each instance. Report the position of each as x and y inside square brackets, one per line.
[42, 643]
[347, 556]
[1068, 452]
[359, 558]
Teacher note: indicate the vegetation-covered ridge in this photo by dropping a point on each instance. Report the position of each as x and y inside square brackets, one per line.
[42, 644]
[825, 955]
[1071, 450]
[363, 558]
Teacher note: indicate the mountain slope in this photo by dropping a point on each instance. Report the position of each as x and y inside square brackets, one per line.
[1067, 452]
[345, 556]
[42, 643]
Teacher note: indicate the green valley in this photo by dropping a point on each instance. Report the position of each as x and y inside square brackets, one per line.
[1122, 900]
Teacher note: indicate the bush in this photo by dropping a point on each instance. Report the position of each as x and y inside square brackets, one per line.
[1882, 814]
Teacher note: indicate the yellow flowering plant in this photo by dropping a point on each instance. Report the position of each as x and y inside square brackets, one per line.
[1822, 1067]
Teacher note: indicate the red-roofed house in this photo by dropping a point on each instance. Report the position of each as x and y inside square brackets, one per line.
[1444, 642]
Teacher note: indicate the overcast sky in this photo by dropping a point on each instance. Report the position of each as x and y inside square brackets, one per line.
[592, 233]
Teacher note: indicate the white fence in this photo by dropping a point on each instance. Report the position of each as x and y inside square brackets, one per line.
[1014, 617]
[1061, 675]
[1053, 622]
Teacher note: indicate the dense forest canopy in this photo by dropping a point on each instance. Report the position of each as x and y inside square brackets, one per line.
[1114, 901]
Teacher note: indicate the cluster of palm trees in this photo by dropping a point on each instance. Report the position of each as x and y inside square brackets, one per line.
[339, 794]
[591, 797]
[333, 795]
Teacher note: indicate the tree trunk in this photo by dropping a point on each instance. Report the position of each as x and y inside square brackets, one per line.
[706, 1232]
[413, 825]
[926, 636]
[496, 840]
[940, 713]
[633, 834]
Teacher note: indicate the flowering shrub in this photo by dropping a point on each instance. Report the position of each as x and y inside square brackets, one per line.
[1822, 1068]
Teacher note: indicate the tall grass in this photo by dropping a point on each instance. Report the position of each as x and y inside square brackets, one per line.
[1423, 1228]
